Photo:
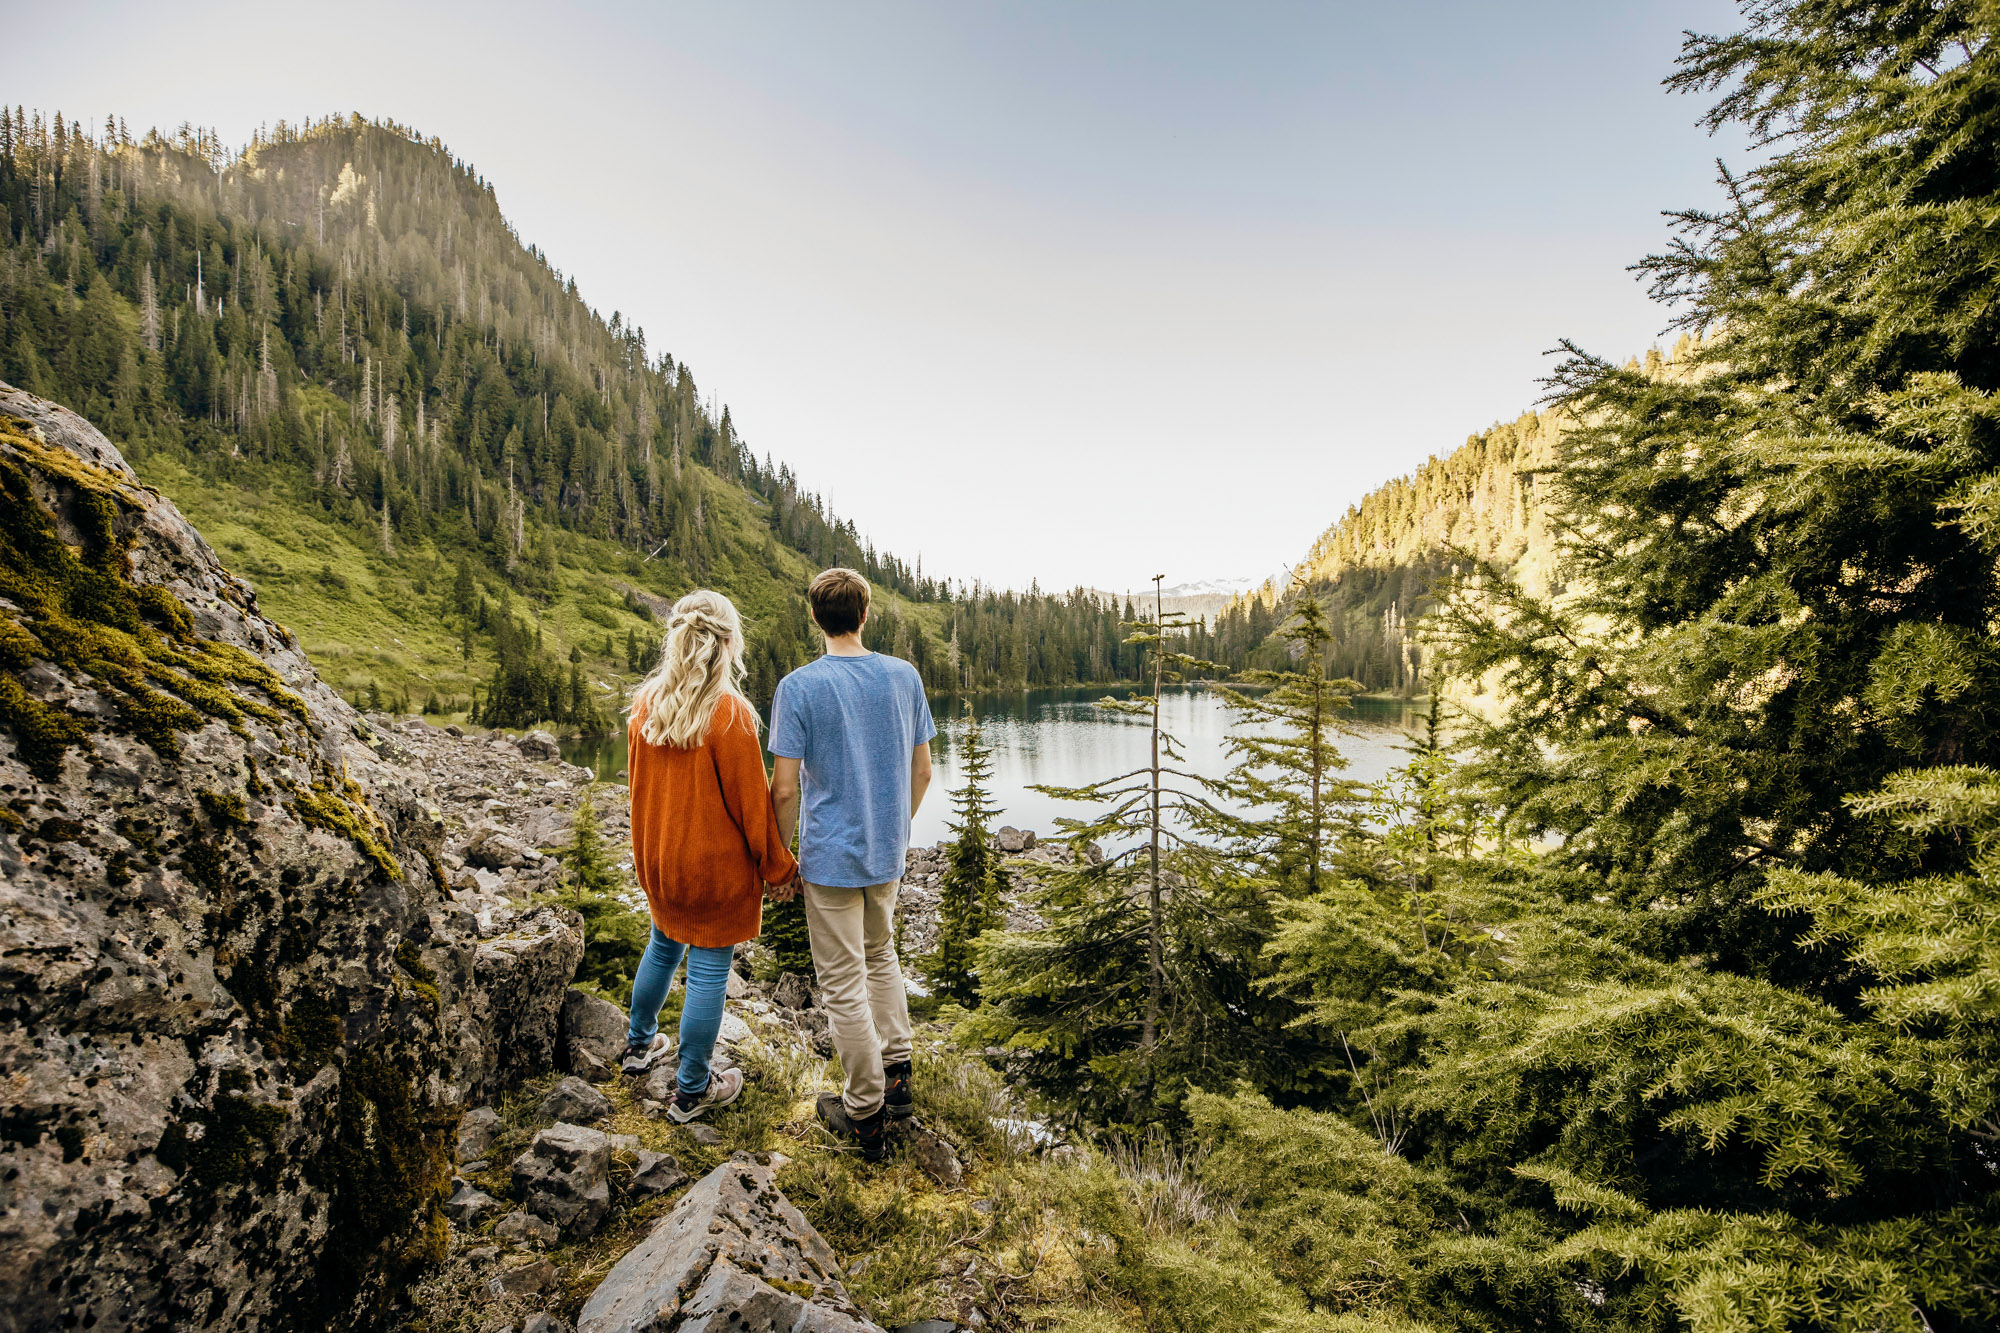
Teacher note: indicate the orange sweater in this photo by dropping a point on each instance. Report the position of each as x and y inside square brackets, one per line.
[705, 838]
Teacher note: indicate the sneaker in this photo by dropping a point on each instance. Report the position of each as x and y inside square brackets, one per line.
[896, 1099]
[867, 1133]
[723, 1087]
[638, 1059]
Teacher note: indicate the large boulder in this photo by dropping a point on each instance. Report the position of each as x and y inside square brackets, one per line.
[514, 998]
[241, 1015]
[733, 1254]
[538, 745]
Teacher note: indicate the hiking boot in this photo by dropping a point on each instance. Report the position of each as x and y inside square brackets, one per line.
[638, 1059]
[867, 1133]
[896, 1099]
[723, 1087]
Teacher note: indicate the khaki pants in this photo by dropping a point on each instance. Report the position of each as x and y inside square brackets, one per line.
[860, 984]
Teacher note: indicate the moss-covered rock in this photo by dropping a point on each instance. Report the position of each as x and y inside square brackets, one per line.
[238, 1014]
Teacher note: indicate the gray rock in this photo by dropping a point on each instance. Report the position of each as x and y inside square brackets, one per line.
[565, 1176]
[226, 959]
[524, 1228]
[592, 1027]
[1011, 839]
[538, 745]
[712, 1262]
[468, 1205]
[520, 978]
[932, 1155]
[705, 1136]
[654, 1173]
[495, 849]
[586, 1065]
[477, 1129]
[792, 991]
[661, 1081]
[537, 1275]
[814, 1029]
[545, 1322]
[575, 1100]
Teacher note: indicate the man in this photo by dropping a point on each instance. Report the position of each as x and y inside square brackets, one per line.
[851, 736]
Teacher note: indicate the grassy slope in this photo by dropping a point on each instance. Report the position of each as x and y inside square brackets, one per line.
[1083, 1242]
[389, 624]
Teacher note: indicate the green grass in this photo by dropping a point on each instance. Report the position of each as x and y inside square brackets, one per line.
[1118, 1241]
[365, 615]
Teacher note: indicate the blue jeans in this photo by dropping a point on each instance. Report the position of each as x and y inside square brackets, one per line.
[701, 1013]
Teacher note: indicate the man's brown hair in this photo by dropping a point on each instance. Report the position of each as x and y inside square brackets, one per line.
[839, 599]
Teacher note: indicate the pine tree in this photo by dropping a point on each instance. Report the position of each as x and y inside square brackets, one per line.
[463, 589]
[1289, 777]
[614, 934]
[968, 901]
[1113, 1006]
[1743, 1029]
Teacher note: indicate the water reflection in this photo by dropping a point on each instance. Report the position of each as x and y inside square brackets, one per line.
[1060, 738]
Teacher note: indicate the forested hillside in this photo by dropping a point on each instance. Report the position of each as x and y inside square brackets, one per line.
[443, 469]
[1376, 568]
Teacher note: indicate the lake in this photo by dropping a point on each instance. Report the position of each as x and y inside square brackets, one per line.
[1060, 737]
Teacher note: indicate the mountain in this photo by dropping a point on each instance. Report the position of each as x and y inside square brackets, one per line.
[1374, 567]
[452, 477]
[1198, 599]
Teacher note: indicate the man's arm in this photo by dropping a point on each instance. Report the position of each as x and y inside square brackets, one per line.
[785, 794]
[920, 775]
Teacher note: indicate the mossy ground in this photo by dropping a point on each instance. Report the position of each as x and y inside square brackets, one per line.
[1082, 1242]
[75, 605]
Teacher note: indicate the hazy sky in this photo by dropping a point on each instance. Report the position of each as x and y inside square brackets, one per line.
[1076, 292]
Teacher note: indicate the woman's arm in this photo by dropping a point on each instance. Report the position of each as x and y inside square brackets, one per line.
[739, 764]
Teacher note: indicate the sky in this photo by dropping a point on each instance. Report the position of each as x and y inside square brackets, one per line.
[1067, 293]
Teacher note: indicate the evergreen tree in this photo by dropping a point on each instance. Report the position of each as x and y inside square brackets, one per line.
[1289, 778]
[614, 934]
[1113, 1006]
[787, 935]
[969, 899]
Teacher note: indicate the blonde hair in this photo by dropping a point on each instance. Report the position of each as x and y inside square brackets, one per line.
[700, 663]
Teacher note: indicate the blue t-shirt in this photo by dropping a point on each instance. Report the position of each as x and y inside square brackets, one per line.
[853, 722]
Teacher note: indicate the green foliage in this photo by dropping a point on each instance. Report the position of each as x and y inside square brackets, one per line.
[614, 934]
[787, 935]
[1123, 996]
[969, 899]
[1289, 777]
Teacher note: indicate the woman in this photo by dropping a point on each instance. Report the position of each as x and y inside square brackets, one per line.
[705, 840]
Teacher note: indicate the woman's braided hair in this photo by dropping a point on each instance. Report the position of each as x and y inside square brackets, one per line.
[701, 661]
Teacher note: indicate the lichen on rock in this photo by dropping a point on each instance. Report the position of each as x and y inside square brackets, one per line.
[241, 1015]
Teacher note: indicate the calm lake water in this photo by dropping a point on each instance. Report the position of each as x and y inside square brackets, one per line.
[1060, 737]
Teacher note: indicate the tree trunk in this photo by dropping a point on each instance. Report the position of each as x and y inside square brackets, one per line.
[1157, 979]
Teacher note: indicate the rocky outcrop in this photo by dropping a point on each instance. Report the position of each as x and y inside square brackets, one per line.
[243, 1003]
[734, 1255]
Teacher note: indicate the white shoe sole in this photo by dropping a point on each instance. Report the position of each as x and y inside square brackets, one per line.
[653, 1056]
[708, 1100]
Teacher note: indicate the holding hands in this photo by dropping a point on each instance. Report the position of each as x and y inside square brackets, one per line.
[784, 893]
